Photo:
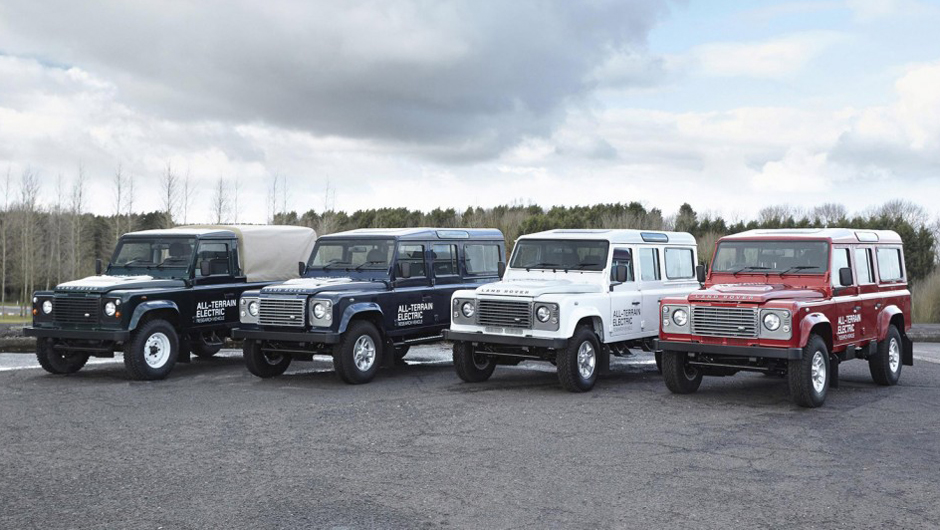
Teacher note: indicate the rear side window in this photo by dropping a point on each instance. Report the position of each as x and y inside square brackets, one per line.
[679, 263]
[889, 264]
[863, 266]
[649, 264]
[840, 260]
[482, 259]
[445, 259]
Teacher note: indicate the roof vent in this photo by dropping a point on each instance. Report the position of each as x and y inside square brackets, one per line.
[867, 237]
[654, 237]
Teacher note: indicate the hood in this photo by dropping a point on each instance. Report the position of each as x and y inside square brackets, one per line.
[314, 285]
[753, 293]
[535, 288]
[104, 284]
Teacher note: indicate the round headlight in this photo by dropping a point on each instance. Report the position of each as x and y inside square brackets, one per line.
[543, 313]
[680, 317]
[253, 308]
[47, 306]
[319, 311]
[467, 309]
[771, 321]
[110, 309]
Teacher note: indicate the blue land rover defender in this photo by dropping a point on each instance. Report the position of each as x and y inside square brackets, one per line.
[164, 294]
[365, 297]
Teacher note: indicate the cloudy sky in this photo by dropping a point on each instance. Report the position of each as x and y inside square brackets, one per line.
[728, 105]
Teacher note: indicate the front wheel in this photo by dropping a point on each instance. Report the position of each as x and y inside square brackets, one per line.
[471, 366]
[357, 356]
[152, 351]
[577, 363]
[885, 366]
[808, 377]
[263, 364]
[680, 376]
[59, 361]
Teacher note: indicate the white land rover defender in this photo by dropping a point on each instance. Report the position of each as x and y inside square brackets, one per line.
[573, 298]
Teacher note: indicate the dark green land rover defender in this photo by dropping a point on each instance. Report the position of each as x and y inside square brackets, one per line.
[164, 294]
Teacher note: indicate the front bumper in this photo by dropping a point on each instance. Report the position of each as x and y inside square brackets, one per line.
[319, 337]
[765, 352]
[505, 340]
[80, 334]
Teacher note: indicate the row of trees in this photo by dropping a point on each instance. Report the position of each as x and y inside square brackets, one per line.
[42, 245]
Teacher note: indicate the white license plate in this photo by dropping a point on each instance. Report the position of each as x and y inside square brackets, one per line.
[501, 331]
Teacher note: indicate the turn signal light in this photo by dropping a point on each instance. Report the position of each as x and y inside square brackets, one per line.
[35, 312]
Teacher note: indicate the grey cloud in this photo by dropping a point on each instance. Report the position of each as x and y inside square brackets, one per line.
[458, 80]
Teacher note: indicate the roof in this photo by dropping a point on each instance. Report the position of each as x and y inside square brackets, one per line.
[218, 231]
[836, 235]
[421, 233]
[619, 236]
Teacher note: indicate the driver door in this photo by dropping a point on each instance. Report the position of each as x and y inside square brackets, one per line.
[625, 299]
[215, 297]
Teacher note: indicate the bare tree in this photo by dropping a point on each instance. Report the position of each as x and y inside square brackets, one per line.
[220, 201]
[236, 185]
[119, 184]
[77, 210]
[272, 198]
[4, 222]
[188, 191]
[829, 213]
[29, 195]
[129, 203]
[169, 187]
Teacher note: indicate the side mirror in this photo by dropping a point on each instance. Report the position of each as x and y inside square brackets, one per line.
[205, 268]
[700, 273]
[404, 270]
[845, 277]
[501, 269]
[301, 268]
[620, 273]
[97, 267]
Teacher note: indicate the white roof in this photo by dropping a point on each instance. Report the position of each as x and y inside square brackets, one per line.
[621, 236]
[265, 252]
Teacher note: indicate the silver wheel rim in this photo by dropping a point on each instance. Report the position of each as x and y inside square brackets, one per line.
[272, 358]
[157, 350]
[818, 372]
[586, 360]
[364, 353]
[894, 355]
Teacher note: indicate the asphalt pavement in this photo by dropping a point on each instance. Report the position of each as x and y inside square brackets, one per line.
[214, 447]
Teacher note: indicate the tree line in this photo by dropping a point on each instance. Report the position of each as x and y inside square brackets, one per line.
[42, 245]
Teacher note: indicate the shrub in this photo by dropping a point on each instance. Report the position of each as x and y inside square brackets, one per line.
[926, 299]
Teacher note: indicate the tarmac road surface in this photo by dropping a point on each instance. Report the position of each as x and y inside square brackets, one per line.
[214, 447]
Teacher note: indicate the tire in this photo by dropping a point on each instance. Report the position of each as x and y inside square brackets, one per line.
[658, 356]
[261, 364]
[400, 352]
[578, 362]
[472, 367]
[885, 366]
[680, 376]
[203, 350]
[808, 377]
[359, 353]
[152, 351]
[59, 362]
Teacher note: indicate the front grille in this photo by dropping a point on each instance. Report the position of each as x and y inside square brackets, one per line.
[75, 310]
[284, 312]
[504, 314]
[724, 321]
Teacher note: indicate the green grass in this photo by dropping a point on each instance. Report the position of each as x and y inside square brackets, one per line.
[14, 319]
[925, 299]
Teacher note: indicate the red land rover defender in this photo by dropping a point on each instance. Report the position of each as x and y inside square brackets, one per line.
[794, 303]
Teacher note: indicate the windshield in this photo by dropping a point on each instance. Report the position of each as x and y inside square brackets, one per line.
[154, 254]
[564, 254]
[794, 257]
[352, 254]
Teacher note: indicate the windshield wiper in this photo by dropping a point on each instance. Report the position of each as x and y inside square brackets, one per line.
[798, 268]
[580, 266]
[542, 265]
[330, 264]
[376, 262]
[749, 268]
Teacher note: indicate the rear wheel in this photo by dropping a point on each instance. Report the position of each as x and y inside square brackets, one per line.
[680, 376]
[577, 364]
[264, 364]
[152, 350]
[808, 377]
[471, 366]
[58, 361]
[357, 356]
[885, 366]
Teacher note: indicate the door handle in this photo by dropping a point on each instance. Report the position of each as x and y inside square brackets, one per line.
[856, 309]
[878, 305]
[636, 303]
[229, 295]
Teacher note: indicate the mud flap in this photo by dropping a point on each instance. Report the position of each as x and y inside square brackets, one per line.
[185, 355]
[907, 355]
[834, 362]
[603, 362]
